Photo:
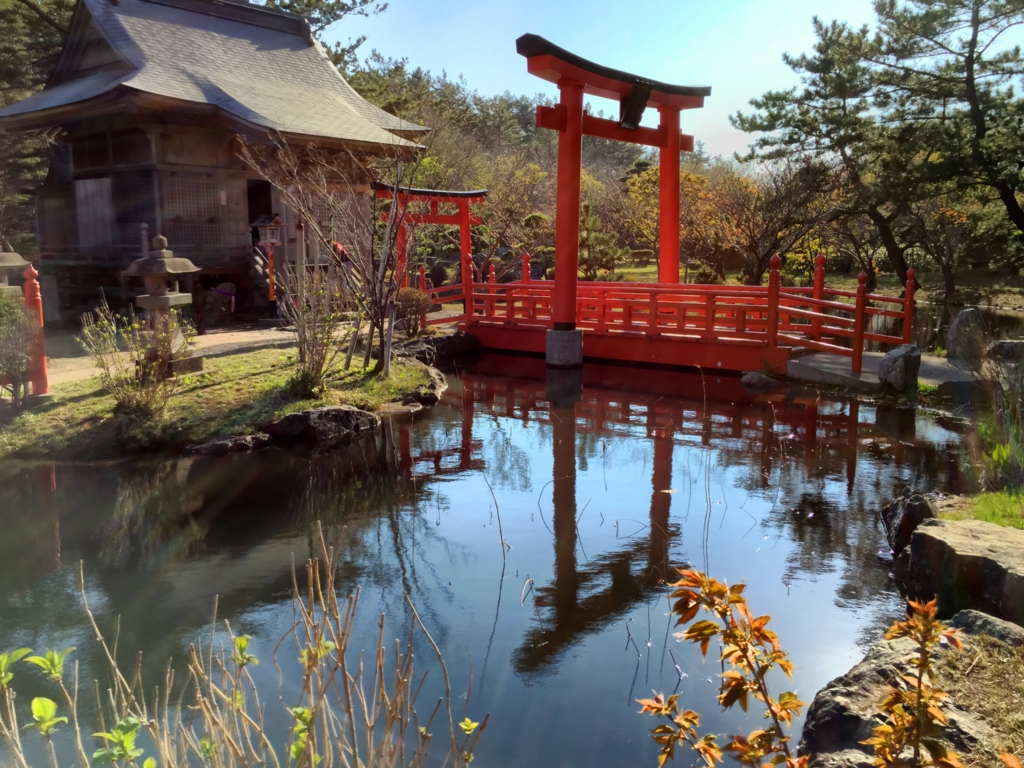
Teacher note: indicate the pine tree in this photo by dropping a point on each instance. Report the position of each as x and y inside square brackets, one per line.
[599, 248]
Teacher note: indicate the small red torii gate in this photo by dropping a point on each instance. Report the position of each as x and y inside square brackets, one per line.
[464, 219]
[575, 76]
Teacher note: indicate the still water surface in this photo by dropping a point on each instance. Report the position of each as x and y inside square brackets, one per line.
[598, 501]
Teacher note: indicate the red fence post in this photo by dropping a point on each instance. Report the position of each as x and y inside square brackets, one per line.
[819, 293]
[38, 374]
[423, 287]
[773, 301]
[526, 267]
[858, 323]
[490, 274]
[908, 309]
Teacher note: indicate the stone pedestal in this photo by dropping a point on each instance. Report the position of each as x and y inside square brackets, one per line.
[564, 349]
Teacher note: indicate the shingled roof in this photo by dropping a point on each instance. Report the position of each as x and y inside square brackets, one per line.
[259, 69]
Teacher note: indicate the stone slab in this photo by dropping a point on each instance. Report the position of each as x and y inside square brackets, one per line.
[836, 370]
[968, 564]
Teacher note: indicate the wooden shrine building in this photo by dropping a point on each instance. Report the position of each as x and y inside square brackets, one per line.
[146, 106]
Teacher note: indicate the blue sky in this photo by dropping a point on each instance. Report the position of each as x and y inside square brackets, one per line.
[735, 46]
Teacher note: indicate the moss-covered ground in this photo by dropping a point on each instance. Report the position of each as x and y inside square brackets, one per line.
[233, 396]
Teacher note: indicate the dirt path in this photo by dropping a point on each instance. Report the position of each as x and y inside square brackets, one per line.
[67, 361]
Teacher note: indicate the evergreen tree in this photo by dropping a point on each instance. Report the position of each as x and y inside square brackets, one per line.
[599, 248]
[29, 47]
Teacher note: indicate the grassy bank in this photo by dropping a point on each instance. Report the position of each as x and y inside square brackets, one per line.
[235, 395]
[1004, 508]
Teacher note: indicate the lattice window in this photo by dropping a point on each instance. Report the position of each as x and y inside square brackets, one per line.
[191, 210]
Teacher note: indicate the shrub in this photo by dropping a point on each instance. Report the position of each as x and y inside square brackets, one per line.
[341, 713]
[409, 309]
[134, 359]
[705, 274]
[438, 275]
[750, 651]
[17, 333]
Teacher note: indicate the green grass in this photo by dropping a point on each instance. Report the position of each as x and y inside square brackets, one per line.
[234, 396]
[1004, 508]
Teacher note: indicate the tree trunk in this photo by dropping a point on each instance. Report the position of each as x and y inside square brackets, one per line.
[947, 280]
[892, 248]
[1007, 194]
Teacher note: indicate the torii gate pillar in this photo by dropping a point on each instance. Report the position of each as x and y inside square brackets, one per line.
[564, 343]
[668, 193]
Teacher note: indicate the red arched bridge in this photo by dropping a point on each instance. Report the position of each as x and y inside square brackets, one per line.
[709, 326]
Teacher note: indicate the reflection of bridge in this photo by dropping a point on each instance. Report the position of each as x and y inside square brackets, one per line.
[583, 598]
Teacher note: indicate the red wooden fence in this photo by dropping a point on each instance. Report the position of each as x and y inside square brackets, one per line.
[816, 317]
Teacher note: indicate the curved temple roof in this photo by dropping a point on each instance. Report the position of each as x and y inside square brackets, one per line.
[258, 68]
[550, 62]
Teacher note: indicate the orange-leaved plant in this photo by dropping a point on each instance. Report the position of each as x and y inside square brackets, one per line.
[751, 651]
[914, 719]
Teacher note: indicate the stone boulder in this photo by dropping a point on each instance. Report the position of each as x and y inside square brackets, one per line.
[902, 515]
[844, 712]
[335, 423]
[968, 564]
[965, 392]
[979, 623]
[1006, 350]
[230, 445]
[899, 368]
[965, 339]
[759, 384]
[431, 350]
[431, 392]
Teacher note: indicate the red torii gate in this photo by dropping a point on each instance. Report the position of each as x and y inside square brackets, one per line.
[464, 219]
[575, 76]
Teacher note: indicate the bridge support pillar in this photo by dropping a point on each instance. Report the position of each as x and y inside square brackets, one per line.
[564, 349]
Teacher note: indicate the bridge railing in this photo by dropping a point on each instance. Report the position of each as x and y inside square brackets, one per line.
[815, 317]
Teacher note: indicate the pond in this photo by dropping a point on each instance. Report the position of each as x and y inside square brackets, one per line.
[598, 501]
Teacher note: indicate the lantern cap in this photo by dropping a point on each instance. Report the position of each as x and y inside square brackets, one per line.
[268, 220]
[160, 261]
[12, 260]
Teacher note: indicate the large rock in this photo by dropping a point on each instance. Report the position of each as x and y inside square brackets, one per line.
[966, 391]
[844, 712]
[231, 445]
[1007, 350]
[336, 423]
[759, 384]
[902, 515]
[431, 392]
[899, 368]
[965, 339]
[979, 623]
[431, 350]
[968, 564]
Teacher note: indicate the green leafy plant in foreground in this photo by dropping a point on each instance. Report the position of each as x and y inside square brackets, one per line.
[344, 714]
[44, 717]
[120, 741]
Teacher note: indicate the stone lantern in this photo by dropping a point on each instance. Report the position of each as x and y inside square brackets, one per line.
[160, 271]
[10, 262]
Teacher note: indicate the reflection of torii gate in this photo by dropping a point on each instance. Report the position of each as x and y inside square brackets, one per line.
[463, 219]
